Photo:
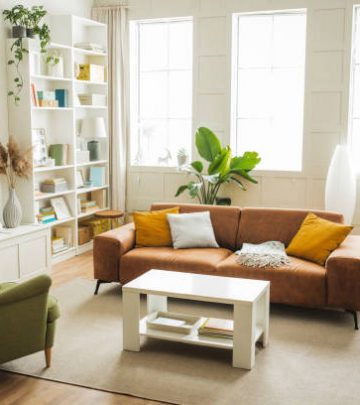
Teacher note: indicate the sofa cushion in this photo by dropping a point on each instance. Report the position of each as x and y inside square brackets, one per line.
[258, 225]
[140, 260]
[299, 283]
[225, 220]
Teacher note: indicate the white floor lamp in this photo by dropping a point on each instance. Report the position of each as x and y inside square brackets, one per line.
[340, 190]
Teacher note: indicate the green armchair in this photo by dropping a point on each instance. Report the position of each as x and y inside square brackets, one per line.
[27, 319]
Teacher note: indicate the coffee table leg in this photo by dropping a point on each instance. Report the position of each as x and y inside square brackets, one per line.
[156, 303]
[131, 320]
[244, 336]
[263, 314]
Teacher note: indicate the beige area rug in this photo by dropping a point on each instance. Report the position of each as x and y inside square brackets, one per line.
[313, 356]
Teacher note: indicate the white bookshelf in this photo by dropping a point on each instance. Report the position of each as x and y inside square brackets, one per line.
[61, 124]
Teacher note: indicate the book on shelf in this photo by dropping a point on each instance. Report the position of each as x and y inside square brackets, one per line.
[92, 99]
[61, 208]
[98, 176]
[100, 196]
[214, 327]
[34, 96]
[60, 153]
[55, 185]
[62, 97]
[46, 215]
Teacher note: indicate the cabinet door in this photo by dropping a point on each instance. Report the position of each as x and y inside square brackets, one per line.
[9, 263]
[33, 255]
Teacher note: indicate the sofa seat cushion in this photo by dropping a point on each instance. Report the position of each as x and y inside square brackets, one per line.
[298, 283]
[197, 260]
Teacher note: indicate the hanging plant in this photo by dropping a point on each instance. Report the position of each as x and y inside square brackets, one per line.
[25, 22]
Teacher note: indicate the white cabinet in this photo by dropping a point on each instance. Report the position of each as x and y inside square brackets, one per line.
[24, 252]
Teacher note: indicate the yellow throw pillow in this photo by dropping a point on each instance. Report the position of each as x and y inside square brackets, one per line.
[152, 227]
[317, 238]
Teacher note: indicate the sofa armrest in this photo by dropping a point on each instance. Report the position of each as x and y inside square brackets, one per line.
[108, 248]
[343, 275]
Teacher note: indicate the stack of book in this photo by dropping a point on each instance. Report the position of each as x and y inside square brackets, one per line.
[46, 215]
[88, 206]
[58, 245]
[56, 185]
[220, 328]
[97, 176]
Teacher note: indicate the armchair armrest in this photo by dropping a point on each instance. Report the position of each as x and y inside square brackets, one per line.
[31, 288]
[343, 275]
[108, 248]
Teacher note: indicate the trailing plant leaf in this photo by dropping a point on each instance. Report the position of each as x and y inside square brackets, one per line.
[207, 143]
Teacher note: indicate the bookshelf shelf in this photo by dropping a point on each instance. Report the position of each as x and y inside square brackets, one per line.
[51, 168]
[51, 78]
[89, 214]
[61, 124]
[47, 196]
[90, 189]
[93, 163]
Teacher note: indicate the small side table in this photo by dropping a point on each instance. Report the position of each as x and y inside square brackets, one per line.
[112, 215]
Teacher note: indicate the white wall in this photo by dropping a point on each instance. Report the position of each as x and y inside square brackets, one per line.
[326, 96]
[76, 7]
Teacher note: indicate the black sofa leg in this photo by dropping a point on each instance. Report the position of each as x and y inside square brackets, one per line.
[354, 314]
[98, 283]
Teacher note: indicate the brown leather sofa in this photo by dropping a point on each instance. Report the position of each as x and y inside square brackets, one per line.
[301, 283]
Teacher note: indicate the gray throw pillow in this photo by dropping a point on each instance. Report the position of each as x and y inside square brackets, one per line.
[193, 230]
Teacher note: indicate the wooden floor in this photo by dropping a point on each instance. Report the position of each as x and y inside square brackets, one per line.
[19, 390]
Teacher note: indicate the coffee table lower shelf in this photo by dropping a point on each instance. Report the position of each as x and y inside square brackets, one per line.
[193, 338]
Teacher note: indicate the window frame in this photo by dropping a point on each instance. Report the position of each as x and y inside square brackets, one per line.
[234, 63]
[134, 84]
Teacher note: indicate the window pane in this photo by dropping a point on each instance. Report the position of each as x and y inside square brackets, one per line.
[153, 46]
[269, 101]
[153, 135]
[178, 130]
[180, 44]
[153, 95]
[180, 87]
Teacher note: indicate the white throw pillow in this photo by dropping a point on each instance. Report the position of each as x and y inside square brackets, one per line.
[193, 230]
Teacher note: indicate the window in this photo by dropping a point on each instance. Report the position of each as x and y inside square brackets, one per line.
[160, 90]
[354, 107]
[268, 87]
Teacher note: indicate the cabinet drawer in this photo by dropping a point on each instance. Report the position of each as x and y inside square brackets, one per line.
[9, 263]
[33, 255]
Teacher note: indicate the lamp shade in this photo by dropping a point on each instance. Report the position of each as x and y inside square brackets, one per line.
[93, 127]
[340, 190]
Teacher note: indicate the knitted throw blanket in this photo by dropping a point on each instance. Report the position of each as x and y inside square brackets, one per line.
[265, 254]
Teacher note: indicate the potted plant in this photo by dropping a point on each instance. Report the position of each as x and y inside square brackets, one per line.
[182, 156]
[222, 168]
[55, 63]
[17, 17]
[34, 26]
[14, 164]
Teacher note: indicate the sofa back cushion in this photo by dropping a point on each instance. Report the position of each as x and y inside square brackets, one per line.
[258, 225]
[225, 220]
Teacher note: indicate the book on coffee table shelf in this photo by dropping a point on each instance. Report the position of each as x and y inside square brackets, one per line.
[214, 327]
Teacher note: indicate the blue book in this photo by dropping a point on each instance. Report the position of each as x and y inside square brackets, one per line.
[61, 95]
[97, 176]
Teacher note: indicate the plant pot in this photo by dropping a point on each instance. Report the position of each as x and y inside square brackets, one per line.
[223, 201]
[18, 31]
[29, 32]
[12, 213]
[56, 70]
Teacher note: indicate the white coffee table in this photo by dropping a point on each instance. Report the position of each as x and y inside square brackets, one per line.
[250, 299]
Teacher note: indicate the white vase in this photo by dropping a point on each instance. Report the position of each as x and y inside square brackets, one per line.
[12, 213]
[340, 190]
[56, 70]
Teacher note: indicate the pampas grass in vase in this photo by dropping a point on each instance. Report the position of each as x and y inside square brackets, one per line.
[14, 164]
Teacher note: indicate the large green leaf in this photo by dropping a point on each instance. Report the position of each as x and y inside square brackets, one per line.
[244, 174]
[247, 161]
[197, 165]
[181, 189]
[221, 163]
[207, 143]
[238, 182]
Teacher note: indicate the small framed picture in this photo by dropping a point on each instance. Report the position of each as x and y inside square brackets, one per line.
[61, 208]
[39, 147]
[79, 179]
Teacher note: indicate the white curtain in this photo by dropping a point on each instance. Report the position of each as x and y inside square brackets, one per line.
[116, 20]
